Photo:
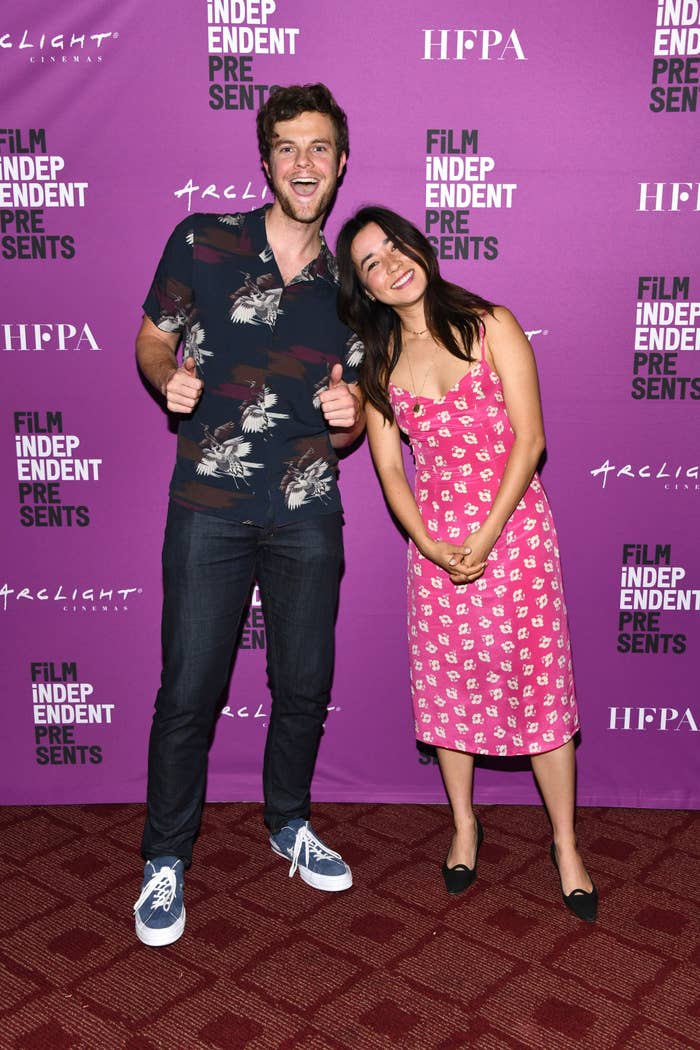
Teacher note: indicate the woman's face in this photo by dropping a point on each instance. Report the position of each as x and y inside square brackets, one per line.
[387, 274]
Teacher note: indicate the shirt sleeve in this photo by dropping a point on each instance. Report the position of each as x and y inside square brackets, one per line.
[352, 357]
[170, 300]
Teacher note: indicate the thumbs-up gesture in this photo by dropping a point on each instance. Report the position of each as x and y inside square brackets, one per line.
[340, 407]
[184, 388]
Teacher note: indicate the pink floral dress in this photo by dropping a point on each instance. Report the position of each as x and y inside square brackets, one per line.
[490, 661]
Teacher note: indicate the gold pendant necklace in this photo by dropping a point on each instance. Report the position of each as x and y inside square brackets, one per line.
[418, 409]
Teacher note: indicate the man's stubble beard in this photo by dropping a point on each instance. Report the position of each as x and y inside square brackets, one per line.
[288, 204]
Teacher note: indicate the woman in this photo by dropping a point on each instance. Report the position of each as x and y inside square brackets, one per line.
[489, 646]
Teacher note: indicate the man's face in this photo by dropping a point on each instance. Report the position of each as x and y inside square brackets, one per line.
[304, 166]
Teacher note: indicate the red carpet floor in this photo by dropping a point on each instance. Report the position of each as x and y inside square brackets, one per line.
[266, 962]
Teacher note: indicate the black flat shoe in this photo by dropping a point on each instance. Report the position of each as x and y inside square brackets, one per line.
[460, 878]
[584, 905]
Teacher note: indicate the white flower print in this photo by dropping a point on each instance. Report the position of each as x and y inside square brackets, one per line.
[460, 452]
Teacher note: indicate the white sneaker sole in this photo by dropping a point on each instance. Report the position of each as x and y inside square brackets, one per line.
[329, 883]
[158, 938]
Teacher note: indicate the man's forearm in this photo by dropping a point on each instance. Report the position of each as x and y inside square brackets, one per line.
[156, 359]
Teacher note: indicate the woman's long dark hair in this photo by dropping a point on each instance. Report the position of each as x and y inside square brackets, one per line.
[448, 308]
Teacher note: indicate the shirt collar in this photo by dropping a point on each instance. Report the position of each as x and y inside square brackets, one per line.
[324, 265]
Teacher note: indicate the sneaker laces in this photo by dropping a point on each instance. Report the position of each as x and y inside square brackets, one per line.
[306, 840]
[162, 885]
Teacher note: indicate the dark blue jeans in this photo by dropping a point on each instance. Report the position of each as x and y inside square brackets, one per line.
[209, 565]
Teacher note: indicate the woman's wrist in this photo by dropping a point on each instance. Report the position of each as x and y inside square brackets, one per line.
[490, 530]
[426, 545]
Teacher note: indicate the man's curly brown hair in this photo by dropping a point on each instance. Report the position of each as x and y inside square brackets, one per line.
[286, 103]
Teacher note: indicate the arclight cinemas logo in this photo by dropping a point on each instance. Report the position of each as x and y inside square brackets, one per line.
[33, 42]
[675, 478]
[72, 599]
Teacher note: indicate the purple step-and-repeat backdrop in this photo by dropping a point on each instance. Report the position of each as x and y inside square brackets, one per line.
[549, 150]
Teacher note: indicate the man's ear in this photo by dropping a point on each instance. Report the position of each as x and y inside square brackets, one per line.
[342, 161]
[266, 166]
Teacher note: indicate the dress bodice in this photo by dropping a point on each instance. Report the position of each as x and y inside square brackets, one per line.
[467, 426]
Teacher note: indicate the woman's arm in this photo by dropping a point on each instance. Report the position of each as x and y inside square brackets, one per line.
[385, 445]
[508, 351]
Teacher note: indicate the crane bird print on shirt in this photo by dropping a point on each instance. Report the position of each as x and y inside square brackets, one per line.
[225, 457]
[306, 479]
[257, 301]
[256, 417]
[356, 352]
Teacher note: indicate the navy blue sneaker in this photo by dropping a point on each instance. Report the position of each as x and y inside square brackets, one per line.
[160, 910]
[318, 866]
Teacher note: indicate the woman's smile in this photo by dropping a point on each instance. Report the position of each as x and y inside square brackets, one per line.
[404, 279]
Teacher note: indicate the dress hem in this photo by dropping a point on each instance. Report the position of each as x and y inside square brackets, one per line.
[493, 754]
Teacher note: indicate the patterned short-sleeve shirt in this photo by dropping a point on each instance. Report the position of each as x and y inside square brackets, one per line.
[256, 449]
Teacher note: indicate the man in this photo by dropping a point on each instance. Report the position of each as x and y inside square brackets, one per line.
[266, 392]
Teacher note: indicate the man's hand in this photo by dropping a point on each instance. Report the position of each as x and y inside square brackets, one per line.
[339, 405]
[183, 388]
